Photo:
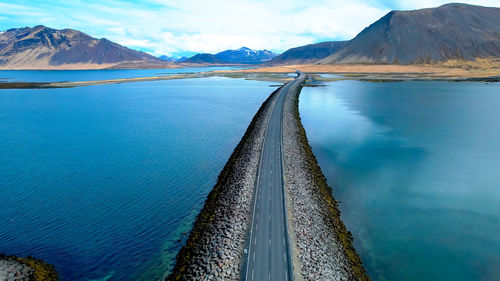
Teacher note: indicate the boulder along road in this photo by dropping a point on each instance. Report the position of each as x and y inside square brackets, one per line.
[268, 252]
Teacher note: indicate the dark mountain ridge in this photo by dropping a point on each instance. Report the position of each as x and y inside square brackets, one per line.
[449, 32]
[204, 59]
[307, 54]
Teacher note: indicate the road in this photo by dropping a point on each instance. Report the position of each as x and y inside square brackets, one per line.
[268, 249]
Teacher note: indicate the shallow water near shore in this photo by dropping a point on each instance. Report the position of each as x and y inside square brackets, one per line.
[93, 75]
[416, 166]
[105, 181]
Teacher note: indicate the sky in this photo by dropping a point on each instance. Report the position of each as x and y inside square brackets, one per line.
[185, 27]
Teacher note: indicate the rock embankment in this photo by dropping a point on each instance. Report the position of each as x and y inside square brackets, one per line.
[25, 269]
[214, 249]
[321, 245]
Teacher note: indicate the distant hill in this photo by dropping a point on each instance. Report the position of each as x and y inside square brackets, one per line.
[43, 47]
[172, 59]
[204, 59]
[245, 55]
[167, 58]
[307, 54]
[452, 31]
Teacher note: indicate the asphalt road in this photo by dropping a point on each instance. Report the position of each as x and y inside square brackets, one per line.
[268, 251]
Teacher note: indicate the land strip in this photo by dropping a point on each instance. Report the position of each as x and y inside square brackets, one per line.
[268, 248]
[321, 243]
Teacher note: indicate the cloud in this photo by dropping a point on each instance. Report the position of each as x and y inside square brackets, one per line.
[173, 27]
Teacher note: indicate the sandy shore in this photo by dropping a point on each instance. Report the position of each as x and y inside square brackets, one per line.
[447, 70]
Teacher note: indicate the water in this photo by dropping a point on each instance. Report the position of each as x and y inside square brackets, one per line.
[416, 166]
[103, 181]
[92, 75]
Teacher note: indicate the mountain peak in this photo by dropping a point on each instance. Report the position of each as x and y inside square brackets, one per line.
[41, 47]
[449, 32]
[245, 55]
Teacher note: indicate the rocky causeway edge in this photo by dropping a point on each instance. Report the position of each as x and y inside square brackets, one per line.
[321, 246]
[215, 246]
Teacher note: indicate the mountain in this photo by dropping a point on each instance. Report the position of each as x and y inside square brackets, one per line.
[172, 59]
[308, 54]
[43, 47]
[452, 31]
[204, 59]
[245, 55]
[167, 58]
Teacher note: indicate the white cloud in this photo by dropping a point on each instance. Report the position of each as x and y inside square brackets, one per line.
[171, 26]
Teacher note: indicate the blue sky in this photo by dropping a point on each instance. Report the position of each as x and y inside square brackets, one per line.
[184, 27]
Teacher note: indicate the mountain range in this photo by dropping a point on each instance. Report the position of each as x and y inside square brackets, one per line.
[242, 55]
[448, 32]
[42, 47]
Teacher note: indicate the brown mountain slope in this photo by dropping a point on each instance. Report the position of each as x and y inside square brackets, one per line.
[449, 32]
[43, 47]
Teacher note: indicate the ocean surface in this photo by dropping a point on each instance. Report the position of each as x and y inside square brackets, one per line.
[92, 75]
[105, 181]
[416, 166]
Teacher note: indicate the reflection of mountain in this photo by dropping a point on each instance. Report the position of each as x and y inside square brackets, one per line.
[452, 31]
[41, 46]
[424, 176]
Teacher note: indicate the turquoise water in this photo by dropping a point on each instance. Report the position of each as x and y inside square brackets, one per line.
[416, 166]
[104, 181]
[92, 75]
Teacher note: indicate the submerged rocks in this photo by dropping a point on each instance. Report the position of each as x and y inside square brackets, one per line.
[25, 269]
[321, 245]
[11, 270]
[215, 246]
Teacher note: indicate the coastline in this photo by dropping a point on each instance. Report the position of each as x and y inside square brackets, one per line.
[215, 246]
[443, 71]
[28, 268]
[323, 247]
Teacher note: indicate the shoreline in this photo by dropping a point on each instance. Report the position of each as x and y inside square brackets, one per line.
[216, 242]
[254, 75]
[28, 268]
[322, 245]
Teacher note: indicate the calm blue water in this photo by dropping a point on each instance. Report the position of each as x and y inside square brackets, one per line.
[92, 75]
[102, 181]
[416, 166]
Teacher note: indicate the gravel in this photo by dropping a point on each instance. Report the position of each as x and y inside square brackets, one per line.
[11, 270]
[318, 255]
